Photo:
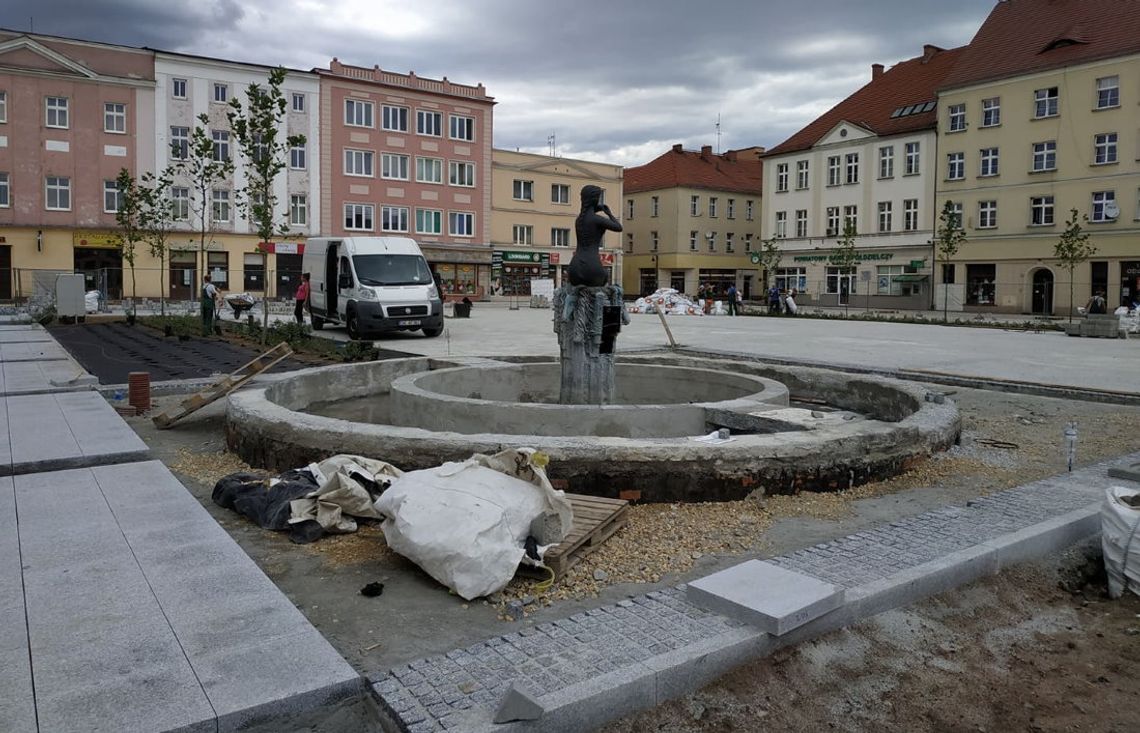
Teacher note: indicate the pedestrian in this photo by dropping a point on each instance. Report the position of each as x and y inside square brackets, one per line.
[774, 301]
[732, 304]
[302, 298]
[791, 302]
[1096, 304]
[209, 303]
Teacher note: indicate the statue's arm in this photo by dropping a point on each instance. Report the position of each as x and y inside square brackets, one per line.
[606, 219]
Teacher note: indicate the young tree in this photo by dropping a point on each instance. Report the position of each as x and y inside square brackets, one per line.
[158, 217]
[948, 238]
[257, 129]
[768, 257]
[128, 215]
[845, 259]
[1073, 248]
[205, 165]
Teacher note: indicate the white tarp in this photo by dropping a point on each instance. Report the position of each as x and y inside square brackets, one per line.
[466, 523]
[668, 301]
[1120, 536]
[342, 495]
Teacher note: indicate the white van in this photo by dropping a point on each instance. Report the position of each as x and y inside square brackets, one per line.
[371, 285]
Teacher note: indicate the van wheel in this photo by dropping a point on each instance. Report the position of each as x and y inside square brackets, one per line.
[318, 323]
[353, 326]
[433, 332]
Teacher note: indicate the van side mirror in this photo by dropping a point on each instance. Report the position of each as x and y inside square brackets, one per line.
[344, 281]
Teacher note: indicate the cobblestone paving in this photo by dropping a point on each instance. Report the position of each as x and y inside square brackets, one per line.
[430, 695]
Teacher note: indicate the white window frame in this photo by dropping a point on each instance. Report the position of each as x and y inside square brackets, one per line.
[1108, 92]
[3, 107]
[221, 93]
[60, 186]
[693, 234]
[802, 175]
[694, 205]
[182, 140]
[713, 207]
[729, 244]
[801, 223]
[559, 237]
[359, 163]
[885, 216]
[461, 223]
[834, 170]
[115, 118]
[955, 166]
[991, 112]
[299, 157]
[730, 207]
[461, 127]
[781, 178]
[887, 162]
[298, 102]
[1104, 148]
[429, 170]
[890, 272]
[393, 118]
[394, 166]
[749, 209]
[1043, 204]
[57, 112]
[852, 168]
[910, 215]
[560, 193]
[358, 113]
[956, 117]
[522, 234]
[913, 158]
[988, 162]
[298, 210]
[1044, 156]
[987, 215]
[831, 222]
[1099, 200]
[850, 216]
[780, 231]
[523, 190]
[790, 278]
[364, 213]
[654, 241]
[461, 173]
[429, 122]
[112, 197]
[1046, 103]
[221, 140]
[393, 218]
[179, 203]
[175, 83]
[5, 191]
[429, 221]
[220, 206]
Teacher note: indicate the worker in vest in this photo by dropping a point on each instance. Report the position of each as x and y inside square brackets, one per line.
[209, 298]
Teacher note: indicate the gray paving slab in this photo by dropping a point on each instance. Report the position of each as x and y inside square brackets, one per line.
[67, 430]
[255, 654]
[1127, 470]
[21, 327]
[104, 656]
[36, 351]
[43, 377]
[773, 598]
[17, 697]
[24, 335]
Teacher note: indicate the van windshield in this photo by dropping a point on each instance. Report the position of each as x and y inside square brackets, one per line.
[391, 270]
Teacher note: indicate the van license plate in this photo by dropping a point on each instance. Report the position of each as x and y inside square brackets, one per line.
[409, 323]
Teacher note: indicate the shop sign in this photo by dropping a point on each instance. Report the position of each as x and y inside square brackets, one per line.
[555, 258]
[607, 258]
[754, 258]
[521, 257]
[281, 248]
[860, 257]
[96, 240]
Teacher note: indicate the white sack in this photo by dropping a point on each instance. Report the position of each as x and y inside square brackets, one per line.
[466, 523]
[91, 301]
[340, 496]
[1120, 537]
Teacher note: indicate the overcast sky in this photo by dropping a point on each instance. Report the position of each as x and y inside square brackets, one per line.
[613, 80]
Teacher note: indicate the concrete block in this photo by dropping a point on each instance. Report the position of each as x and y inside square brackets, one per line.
[35, 351]
[1045, 537]
[765, 595]
[691, 667]
[1128, 470]
[25, 335]
[921, 581]
[43, 377]
[517, 704]
[17, 700]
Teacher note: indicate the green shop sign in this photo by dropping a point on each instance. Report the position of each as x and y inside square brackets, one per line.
[522, 257]
[859, 257]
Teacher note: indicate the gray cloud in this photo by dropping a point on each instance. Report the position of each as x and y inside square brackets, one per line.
[614, 81]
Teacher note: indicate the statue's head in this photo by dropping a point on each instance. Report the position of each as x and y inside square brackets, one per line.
[591, 195]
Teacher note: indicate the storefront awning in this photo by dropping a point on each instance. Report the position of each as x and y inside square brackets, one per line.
[911, 278]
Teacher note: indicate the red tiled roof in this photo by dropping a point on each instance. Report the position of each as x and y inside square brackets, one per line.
[1015, 37]
[908, 82]
[735, 170]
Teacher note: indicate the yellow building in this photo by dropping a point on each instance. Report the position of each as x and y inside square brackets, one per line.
[693, 219]
[534, 201]
[1039, 118]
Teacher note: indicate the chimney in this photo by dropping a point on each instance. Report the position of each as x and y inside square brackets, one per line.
[928, 51]
[678, 149]
[876, 71]
[730, 156]
[706, 152]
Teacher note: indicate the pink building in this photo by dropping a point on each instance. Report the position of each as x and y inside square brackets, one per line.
[407, 156]
[72, 115]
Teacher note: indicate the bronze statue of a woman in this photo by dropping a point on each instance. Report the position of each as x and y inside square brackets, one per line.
[593, 221]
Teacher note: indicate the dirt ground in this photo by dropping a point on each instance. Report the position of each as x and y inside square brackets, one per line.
[1010, 653]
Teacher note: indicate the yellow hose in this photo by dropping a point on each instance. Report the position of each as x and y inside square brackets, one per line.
[544, 585]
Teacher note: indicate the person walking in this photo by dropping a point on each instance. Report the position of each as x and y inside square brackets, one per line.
[209, 303]
[302, 298]
[774, 301]
[732, 304]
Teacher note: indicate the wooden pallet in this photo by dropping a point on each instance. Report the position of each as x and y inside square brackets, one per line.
[223, 386]
[595, 521]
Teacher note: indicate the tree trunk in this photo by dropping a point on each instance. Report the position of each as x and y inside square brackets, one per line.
[134, 292]
[264, 297]
[1072, 305]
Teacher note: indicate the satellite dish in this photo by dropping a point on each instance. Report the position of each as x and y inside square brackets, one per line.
[1111, 210]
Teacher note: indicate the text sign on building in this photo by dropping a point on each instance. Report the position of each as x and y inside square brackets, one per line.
[95, 239]
[859, 257]
[521, 257]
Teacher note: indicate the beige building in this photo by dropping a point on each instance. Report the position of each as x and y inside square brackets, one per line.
[1039, 118]
[691, 219]
[534, 201]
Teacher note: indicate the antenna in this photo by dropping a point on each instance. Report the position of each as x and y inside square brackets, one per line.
[718, 133]
[552, 144]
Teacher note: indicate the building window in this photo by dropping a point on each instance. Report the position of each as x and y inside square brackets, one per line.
[841, 280]
[218, 265]
[653, 241]
[852, 167]
[851, 217]
[948, 274]
[991, 112]
[748, 242]
[253, 272]
[781, 224]
[5, 191]
[560, 237]
[1045, 156]
[791, 278]
[833, 166]
[980, 284]
[749, 209]
[180, 203]
[712, 207]
[429, 123]
[58, 190]
[429, 221]
[523, 234]
[178, 88]
[884, 216]
[357, 113]
[358, 217]
[298, 210]
[221, 93]
[298, 102]
[781, 177]
[220, 205]
[1104, 206]
[297, 157]
[462, 128]
[801, 222]
[956, 117]
[461, 224]
[989, 161]
[692, 241]
[832, 228]
[524, 191]
[56, 112]
[180, 143]
[887, 161]
[1045, 102]
[801, 174]
[629, 242]
[711, 237]
[955, 166]
[113, 197]
[888, 283]
[394, 166]
[394, 118]
[429, 170]
[1107, 92]
[358, 162]
[731, 214]
[1104, 148]
[221, 140]
[1041, 211]
[114, 117]
[461, 174]
[913, 160]
[987, 214]
[728, 245]
[694, 206]
[3, 107]
[394, 218]
[955, 212]
[910, 215]
[560, 194]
